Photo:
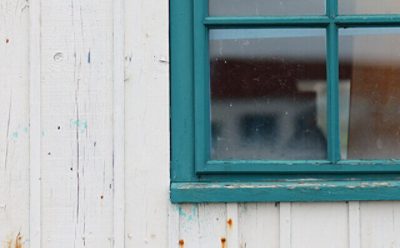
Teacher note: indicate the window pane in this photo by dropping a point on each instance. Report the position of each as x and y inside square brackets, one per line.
[370, 69]
[369, 6]
[268, 94]
[262, 7]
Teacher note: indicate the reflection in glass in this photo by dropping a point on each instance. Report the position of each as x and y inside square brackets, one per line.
[369, 7]
[370, 65]
[268, 94]
[262, 7]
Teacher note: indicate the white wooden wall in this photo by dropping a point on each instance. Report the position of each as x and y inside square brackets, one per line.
[84, 143]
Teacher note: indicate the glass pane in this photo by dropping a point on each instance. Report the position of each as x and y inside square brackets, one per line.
[268, 94]
[370, 79]
[369, 6]
[263, 8]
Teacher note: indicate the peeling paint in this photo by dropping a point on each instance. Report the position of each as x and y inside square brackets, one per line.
[187, 215]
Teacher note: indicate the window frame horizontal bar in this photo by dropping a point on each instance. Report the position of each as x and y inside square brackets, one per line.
[260, 21]
[367, 20]
[298, 167]
[286, 191]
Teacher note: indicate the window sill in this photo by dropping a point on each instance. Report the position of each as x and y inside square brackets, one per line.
[298, 191]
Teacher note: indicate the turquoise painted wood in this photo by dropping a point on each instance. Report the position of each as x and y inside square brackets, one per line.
[286, 191]
[190, 120]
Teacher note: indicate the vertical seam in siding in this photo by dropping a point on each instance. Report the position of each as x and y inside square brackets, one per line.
[119, 124]
[354, 225]
[34, 125]
[285, 225]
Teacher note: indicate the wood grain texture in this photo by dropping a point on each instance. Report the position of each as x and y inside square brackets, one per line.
[77, 123]
[119, 123]
[14, 122]
[35, 184]
[73, 84]
[319, 225]
[259, 225]
[354, 225]
[380, 224]
[147, 123]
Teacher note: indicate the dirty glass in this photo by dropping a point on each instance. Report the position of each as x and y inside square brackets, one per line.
[370, 78]
[262, 7]
[369, 7]
[268, 94]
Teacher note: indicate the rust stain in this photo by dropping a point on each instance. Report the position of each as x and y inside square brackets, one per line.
[17, 243]
[223, 242]
[230, 223]
[181, 243]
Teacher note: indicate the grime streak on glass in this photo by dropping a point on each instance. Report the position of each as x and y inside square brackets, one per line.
[348, 7]
[268, 94]
[370, 72]
[261, 7]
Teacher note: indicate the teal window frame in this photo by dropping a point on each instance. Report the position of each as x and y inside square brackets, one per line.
[195, 178]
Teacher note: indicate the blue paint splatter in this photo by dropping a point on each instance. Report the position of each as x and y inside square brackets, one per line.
[188, 215]
[15, 135]
[81, 124]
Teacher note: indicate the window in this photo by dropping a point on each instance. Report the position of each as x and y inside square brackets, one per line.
[285, 100]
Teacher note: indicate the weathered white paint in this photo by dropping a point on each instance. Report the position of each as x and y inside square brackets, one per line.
[119, 124]
[259, 225]
[77, 123]
[147, 123]
[84, 153]
[34, 125]
[14, 122]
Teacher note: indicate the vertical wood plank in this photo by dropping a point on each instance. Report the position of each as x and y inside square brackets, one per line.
[119, 124]
[189, 226]
[259, 225]
[320, 225]
[212, 221]
[285, 225]
[77, 123]
[147, 122]
[173, 226]
[354, 225]
[232, 227]
[35, 126]
[14, 123]
[380, 224]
